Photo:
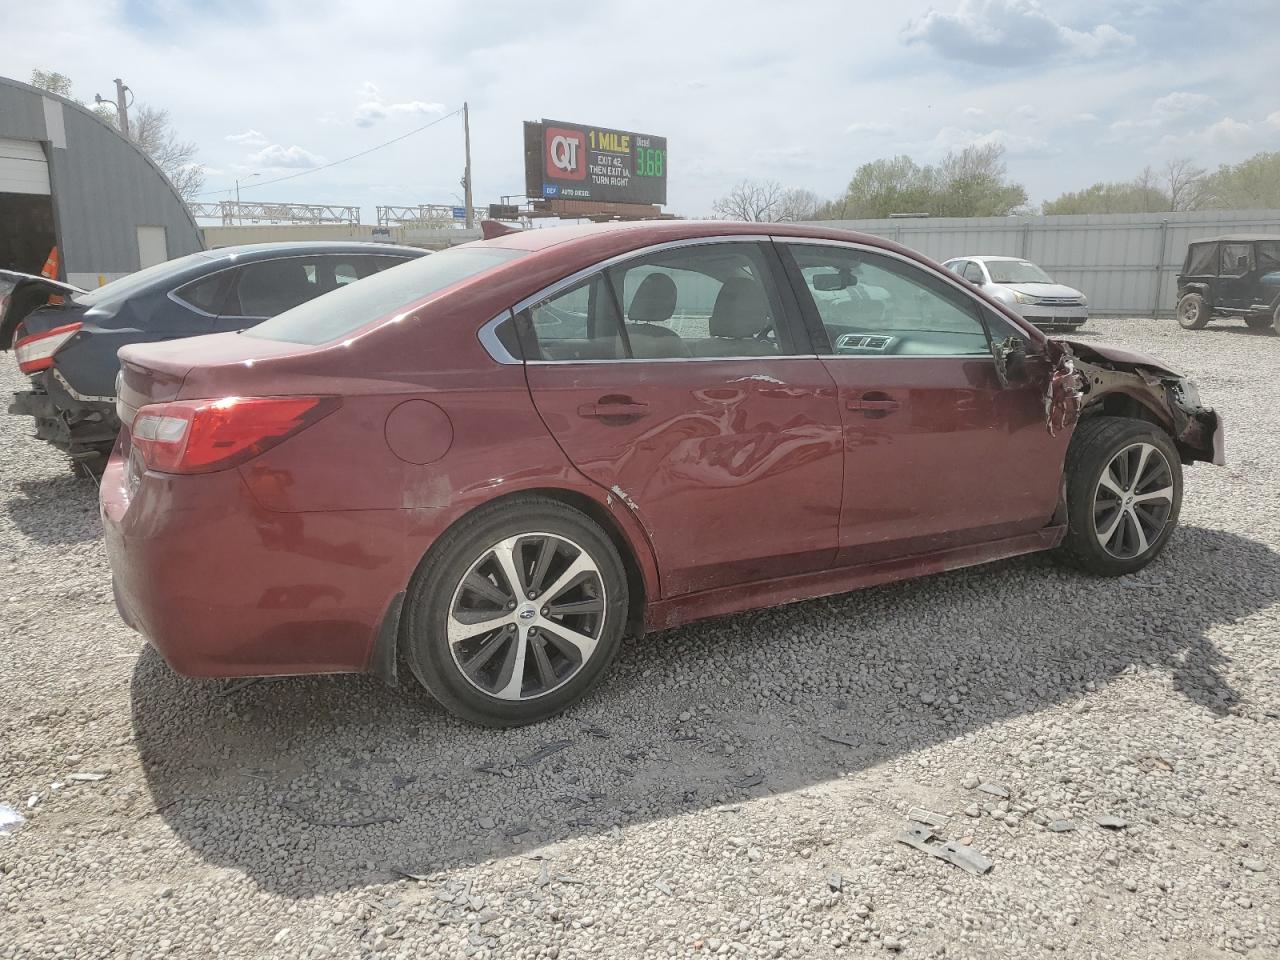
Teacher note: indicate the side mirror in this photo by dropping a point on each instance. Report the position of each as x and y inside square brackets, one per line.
[1010, 355]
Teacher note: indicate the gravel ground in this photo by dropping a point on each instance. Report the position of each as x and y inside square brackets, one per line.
[734, 789]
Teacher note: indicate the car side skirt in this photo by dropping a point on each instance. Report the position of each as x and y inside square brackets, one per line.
[665, 614]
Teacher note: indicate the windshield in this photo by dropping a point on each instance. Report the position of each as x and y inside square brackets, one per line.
[126, 286]
[337, 314]
[1016, 271]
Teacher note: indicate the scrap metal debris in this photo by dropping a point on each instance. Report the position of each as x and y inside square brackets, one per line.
[87, 777]
[835, 881]
[544, 751]
[923, 839]
[841, 739]
[1061, 826]
[995, 789]
[927, 817]
[750, 780]
[1109, 822]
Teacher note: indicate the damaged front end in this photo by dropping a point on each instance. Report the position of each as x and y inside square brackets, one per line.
[1096, 379]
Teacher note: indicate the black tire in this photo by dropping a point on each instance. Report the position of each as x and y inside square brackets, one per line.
[1096, 444]
[470, 550]
[1193, 312]
[1261, 323]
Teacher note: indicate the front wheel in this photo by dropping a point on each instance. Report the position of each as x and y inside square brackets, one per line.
[1193, 312]
[1124, 492]
[516, 613]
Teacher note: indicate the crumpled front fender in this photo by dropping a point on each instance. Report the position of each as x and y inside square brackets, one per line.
[1087, 375]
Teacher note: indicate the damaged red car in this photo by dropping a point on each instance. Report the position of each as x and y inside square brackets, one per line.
[491, 463]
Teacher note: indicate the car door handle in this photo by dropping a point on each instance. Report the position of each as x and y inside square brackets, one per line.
[883, 405]
[621, 408]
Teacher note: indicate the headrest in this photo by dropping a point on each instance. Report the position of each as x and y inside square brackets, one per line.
[741, 310]
[655, 300]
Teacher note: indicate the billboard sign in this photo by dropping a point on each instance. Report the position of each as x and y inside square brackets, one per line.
[572, 161]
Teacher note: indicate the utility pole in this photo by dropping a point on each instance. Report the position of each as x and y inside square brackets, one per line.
[466, 176]
[121, 105]
[122, 108]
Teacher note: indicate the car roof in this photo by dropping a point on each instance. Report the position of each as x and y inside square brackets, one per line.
[986, 259]
[1237, 238]
[648, 232]
[265, 251]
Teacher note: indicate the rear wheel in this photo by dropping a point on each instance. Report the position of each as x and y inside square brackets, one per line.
[517, 612]
[1124, 492]
[1193, 312]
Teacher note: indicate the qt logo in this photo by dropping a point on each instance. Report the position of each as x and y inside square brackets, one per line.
[566, 153]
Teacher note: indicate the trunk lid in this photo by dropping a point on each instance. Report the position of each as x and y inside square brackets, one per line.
[218, 364]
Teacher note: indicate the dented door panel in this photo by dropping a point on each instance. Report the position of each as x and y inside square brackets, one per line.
[733, 467]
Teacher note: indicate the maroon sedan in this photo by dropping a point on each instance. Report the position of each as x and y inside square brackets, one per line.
[494, 461]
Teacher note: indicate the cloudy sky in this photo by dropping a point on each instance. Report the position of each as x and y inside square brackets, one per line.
[800, 92]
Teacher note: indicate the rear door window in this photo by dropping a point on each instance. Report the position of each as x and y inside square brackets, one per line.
[1237, 259]
[270, 287]
[580, 323]
[973, 272]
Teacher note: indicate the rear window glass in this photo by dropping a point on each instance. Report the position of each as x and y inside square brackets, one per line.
[1202, 259]
[351, 306]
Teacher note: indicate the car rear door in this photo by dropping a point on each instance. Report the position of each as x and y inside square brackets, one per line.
[674, 381]
[938, 453]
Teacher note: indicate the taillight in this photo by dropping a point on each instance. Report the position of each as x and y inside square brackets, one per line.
[35, 351]
[201, 436]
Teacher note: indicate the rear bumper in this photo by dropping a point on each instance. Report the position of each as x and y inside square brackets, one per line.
[77, 426]
[222, 587]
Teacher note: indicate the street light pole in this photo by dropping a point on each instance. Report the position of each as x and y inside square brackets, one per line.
[466, 177]
[239, 218]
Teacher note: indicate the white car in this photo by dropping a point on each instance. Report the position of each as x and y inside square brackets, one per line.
[1027, 289]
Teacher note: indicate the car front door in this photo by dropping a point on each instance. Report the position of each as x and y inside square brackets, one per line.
[1236, 276]
[938, 454]
[675, 381]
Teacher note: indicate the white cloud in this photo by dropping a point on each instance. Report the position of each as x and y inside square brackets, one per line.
[1016, 144]
[977, 113]
[250, 138]
[1273, 120]
[1025, 114]
[1084, 118]
[277, 157]
[1180, 104]
[1004, 33]
[375, 107]
[868, 126]
[1227, 132]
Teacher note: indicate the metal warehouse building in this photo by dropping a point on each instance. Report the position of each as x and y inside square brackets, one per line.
[70, 180]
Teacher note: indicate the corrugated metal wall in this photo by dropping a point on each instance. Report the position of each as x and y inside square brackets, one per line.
[1124, 263]
[104, 187]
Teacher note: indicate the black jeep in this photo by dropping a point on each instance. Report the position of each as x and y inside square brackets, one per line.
[1235, 276]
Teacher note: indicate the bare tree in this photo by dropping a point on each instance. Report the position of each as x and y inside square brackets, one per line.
[797, 204]
[1185, 184]
[153, 132]
[752, 200]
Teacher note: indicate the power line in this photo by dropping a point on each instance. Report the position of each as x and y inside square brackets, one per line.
[354, 156]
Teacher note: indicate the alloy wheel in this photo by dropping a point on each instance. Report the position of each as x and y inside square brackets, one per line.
[526, 616]
[1132, 501]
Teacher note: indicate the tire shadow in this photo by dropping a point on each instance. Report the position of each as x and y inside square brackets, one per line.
[311, 785]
